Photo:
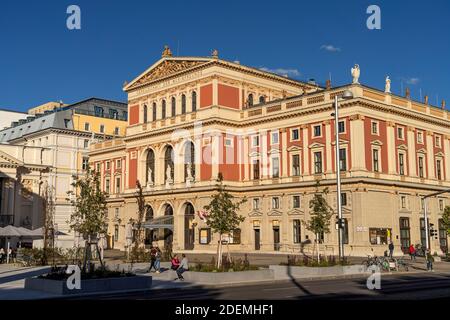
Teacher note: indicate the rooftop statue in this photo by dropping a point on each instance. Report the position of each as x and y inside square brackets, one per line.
[387, 87]
[355, 73]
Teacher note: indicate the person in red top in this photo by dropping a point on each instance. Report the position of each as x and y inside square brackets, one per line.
[412, 252]
[175, 262]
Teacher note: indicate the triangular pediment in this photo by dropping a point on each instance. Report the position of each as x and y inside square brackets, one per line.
[294, 148]
[402, 147]
[164, 68]
[4, 157]
[377, 143]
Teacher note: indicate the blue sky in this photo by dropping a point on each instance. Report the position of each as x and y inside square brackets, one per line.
[41, 60]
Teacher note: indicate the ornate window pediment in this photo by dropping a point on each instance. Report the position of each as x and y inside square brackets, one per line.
[316, 145]
[273, 151]
[254, 155]
[422, 150]
[376, 143]
[275, 212]
[402, 147]
[439, 154]
[295, 211]
[341, 142]
[294, 148]
[255, 213]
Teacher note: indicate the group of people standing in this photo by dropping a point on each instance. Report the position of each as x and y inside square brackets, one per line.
[413, 254]
[4, 254]
[179, 266]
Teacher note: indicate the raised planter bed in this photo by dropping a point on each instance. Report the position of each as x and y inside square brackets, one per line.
[59, 287]
[289, 272]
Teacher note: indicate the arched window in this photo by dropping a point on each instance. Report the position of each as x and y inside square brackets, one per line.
[189, 210]
[262, 99]
[183, 104]
[250, 100]
[150, 167]
[154, 112]
[145, 113]
[189, 160]
[148, 213]
[174, 107]
[194, 101]
[168, 210]
[168, 162]
[163, 109]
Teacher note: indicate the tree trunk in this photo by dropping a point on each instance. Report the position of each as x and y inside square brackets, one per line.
[219, 255]
[318, 248]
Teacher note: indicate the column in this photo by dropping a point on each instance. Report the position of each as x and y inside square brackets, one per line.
[358, 147]
[246, 159]
[284, 153]
[411, 152]
[328, 150]
[430, 155]
[215, 83]
[305, 162]
[446, 142]
[391, 152]
[215, 154]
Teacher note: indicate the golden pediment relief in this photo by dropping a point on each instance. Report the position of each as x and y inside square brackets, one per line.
[166, 68]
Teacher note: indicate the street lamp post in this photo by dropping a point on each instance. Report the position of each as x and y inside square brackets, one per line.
[347, 94]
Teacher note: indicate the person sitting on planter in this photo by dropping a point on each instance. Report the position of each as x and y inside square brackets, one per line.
[184, 266]
[175, 262]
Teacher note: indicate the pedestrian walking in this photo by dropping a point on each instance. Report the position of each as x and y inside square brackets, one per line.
[430, 261]
[184, 266]
[152, 259]
[391, 249]
[158, 259]
[412, 252]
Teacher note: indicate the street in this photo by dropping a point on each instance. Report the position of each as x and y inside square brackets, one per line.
[393, 286]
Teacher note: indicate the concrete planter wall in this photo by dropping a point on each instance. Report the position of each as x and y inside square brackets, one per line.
[289, 272]
[135, 283]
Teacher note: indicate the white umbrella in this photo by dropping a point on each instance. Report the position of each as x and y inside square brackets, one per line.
[10, 231]
[39, 232]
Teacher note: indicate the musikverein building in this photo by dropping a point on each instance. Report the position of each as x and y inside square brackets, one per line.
[272, 138]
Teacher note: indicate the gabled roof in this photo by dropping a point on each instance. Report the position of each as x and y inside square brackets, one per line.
[170, 66]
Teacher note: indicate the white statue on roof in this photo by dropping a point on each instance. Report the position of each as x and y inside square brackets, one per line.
[355, 73]
[387, 87]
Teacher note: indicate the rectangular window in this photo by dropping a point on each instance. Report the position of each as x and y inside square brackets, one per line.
[342, 159]
[343, 199]
[400, 133]
[296, 165]
[205, 236]
[296, 230]
[117, 184]
[317, 131]
[102, 128]
[380, 236]
[376, 161]
[275, 203]
[423, 238]
[345, 232]
[421, 170]
[255, 141]
[318, 162]
[275, 137]
[438, 141]
[401, 164]
[116, 233]
[403, 202]
[107, 185]
[116, 131]
[443, 242]
[86, 143]
[256, 169]
[295, 202]
[85, 163]
[441, 204]
[108, 165]
[275, 167]
[419, 137]
[341, 126]
[405, 235]
[438, 169]
[66, 123]
[374, 127]
[113, 114]
[295, 135]
[119, 164]
[235, 237]
[87, 126]
[256, 204]
[98, 111]
[97, 167]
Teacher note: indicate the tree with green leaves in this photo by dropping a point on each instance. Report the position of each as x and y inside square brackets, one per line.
[139, 235]
[320, 216]
[446, 218]
[90, 212]
[223, 217]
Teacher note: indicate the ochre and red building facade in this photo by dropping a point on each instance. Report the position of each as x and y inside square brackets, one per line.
[272, 138]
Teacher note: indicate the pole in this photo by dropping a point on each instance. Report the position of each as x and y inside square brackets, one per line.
[338, 177]
[425, 218]
[7, 254]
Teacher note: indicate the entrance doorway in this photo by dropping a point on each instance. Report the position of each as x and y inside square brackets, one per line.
[189, 215]
[168, 234]
[257, 239]
[276, 238]
[405, 234]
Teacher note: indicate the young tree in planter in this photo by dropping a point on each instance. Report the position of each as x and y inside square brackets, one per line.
[222, 214]
[320, 216]
[89, 216]
[139, 237]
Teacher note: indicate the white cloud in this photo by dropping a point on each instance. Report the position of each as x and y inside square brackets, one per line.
[282, 71]
[330, 48]
[412, 81]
